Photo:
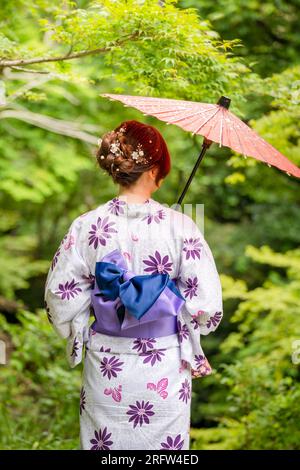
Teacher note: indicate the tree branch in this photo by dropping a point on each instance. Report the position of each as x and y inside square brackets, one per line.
[75, 55]
[58, 126]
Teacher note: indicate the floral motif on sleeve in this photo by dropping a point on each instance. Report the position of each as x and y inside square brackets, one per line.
[101, 231]
[55, 258]
[157, 264]
[68, 290]
[214, 320]
[191, 287]
[75, 348]
[49, 316]
[192, 248]
[203, 367]
[199, 282]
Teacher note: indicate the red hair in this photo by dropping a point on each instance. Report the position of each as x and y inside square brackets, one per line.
[152, 142]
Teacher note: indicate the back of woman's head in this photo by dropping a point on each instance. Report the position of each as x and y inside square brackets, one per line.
[130, 150]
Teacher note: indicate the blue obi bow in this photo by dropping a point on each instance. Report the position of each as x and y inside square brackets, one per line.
[137, 294]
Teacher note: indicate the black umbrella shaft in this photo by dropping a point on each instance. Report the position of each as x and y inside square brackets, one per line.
[187, 185]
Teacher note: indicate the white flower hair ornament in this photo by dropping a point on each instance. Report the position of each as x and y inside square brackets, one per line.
[137, 155]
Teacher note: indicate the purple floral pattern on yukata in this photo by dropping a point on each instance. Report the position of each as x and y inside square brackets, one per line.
[203, 366]
[49, 316]
[115, 206]
[75, 348]
[101, 231]
[157, 264]
[101, 440]
[192, 248]
[68, 290]
[55, 259]
[185, 391]
[195, 323]
[214, 320]
[191, 287]
[82, 400]
[152, 356]
[110, 367]
[104, 350]
[183, 331]
[142, 344]
[140, 412]
[90, 279]
[157, 217]
[171, 444]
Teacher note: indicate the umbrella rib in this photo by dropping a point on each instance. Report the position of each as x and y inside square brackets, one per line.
[191, 115]
[221, 129]
[257, 149]
[210, 117]
[240, 142]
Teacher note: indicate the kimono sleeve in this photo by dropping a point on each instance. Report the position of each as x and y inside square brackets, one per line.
[67, 294]
[199, 283]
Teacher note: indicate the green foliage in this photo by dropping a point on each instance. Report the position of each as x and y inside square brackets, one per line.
[65, 54]
[260, 376]
[39, 393]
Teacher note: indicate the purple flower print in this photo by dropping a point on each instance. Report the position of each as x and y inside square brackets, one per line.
[82, 400]
[203, 366]
[104, 350]
[157, 217]
[140, 412]
[157, 264]
[101, 231]
[183, 331]
[152, 356]
[75, 348]
[48, 312]
[141, 344]
[185, 391]
[191, 287]
[115, 206]
[214, 319]
[101, 440]
[196, 323]
[192, 248]
[199, 360]
[171, 444]
[110, 367]
[68, 289]
[90, 278]
[55, 258]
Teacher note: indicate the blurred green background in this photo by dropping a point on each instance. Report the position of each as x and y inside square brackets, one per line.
[56, 57]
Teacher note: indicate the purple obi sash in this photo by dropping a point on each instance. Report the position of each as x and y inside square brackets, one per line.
[129, 305]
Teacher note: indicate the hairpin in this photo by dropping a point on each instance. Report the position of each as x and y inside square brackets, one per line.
[137, 155]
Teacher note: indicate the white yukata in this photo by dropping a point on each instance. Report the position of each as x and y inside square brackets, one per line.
[136, 390]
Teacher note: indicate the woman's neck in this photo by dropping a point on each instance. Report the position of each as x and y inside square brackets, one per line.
[133, 195]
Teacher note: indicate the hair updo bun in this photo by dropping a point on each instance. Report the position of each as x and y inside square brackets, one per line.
[130, 150]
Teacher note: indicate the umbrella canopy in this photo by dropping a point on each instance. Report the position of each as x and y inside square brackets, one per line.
[215, 122]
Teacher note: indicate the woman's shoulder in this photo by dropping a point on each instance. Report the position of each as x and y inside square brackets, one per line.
[182, 222]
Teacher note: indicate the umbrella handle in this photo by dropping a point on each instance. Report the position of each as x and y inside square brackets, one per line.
[205, 145]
